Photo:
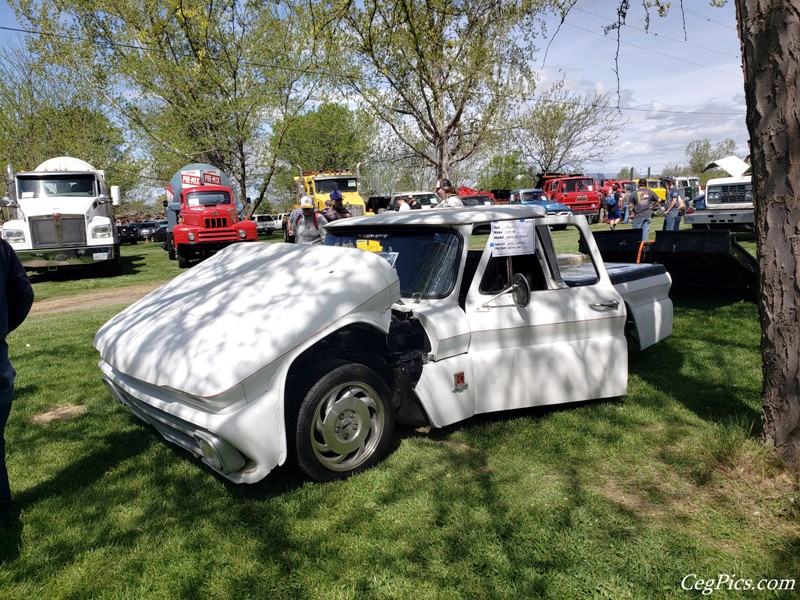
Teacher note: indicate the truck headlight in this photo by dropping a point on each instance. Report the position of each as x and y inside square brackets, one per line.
[14, 236]
[191, 236]
[242, 233]
[101, 231]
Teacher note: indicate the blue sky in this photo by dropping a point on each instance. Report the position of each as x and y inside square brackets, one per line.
[676, 86]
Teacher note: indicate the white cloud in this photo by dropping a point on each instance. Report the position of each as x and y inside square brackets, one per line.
[674, 86]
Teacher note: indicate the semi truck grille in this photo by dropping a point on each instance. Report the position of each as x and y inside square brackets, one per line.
[730, 194]
[70, 230]
[216, 222]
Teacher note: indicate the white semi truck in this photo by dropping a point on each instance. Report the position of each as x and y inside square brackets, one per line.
[60, 215]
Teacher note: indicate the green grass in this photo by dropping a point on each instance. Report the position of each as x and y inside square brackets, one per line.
[611, 499]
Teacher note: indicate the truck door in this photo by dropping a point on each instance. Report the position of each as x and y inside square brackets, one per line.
[566, 345]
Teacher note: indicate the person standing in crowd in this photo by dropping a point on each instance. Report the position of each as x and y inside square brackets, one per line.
[641, 203]
[337, 210]
[448, 196]
[402, 205]
[15, 302]
[673, 207]
[309, 226]
[613, 205]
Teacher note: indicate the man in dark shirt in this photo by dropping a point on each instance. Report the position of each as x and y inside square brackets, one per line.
[337, 210]
[641, 203]
[15, 302]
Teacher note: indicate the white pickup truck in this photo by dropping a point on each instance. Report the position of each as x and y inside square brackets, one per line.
[416, 317]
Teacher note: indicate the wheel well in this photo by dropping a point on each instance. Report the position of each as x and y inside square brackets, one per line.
[364, 344]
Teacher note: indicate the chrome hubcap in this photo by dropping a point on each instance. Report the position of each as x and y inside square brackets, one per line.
[347, 426]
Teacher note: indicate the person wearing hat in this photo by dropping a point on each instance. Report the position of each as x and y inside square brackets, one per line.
[337, 210]
[309, 226]
[641, 203]
[673, 203]
[448, 196]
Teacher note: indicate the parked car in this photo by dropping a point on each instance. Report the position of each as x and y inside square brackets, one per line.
[425, 312]
[146, 229]
[265, 224]
[128, 234]
[552, 208]
[476, 200]
[160, 234]
[425, 199]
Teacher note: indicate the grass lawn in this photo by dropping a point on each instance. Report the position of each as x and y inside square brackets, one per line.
[620, 498]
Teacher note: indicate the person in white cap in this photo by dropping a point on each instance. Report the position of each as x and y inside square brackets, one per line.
[309, 225]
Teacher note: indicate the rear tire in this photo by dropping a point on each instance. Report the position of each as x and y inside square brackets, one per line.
[344, 424]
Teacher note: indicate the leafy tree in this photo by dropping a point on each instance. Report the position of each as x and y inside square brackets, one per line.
[43, 115]
[196, 81]
[505, 172]
[329, 138]
[625, 173]
[564, 131]
[700, 153]
[438, 72]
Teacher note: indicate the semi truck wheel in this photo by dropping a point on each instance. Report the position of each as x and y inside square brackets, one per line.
[344, 424]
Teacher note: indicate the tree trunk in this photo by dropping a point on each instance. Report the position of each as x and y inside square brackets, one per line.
[769, 30]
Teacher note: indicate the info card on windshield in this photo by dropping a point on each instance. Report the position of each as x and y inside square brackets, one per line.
[511, 238]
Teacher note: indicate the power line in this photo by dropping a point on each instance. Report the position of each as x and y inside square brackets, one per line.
[645, 48]
[330, 74]
[709, 19]
[686, 42]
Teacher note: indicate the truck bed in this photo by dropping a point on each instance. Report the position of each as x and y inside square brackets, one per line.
[584, 273]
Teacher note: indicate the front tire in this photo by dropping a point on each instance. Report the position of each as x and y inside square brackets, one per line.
[344, 424]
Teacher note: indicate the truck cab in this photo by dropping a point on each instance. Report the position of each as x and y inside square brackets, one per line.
[320, 184]
[203, 214]
[579, 192]
[61, 215]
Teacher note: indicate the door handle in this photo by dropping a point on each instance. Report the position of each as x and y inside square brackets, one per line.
[606, 304]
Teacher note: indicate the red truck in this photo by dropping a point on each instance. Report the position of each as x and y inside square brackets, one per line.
[579, 192]
[203, 214]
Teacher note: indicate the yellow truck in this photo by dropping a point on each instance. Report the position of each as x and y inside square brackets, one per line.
[320, 184]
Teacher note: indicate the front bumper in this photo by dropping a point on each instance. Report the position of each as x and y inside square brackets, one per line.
[53, 258]
[242, 443]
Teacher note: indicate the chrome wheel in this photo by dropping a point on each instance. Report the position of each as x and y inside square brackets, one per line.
[345, 423]
[347, 426]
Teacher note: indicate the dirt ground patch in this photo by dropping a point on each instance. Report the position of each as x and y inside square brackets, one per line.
[111, 297]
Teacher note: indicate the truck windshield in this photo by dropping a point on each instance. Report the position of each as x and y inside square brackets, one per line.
[208, 198]
[343, 184]
[577, 185]
[426, 261]
[57, 185]
[531, 195]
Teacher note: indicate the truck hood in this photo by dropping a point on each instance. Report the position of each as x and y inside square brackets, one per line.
[246, 307]
[37, 207]
[733, 165]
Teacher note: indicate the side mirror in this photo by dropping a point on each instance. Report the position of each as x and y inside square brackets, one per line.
[102, 199]
[239, 206]
[166, 203]
[520, 290]
[115, 197]
[6, 201]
